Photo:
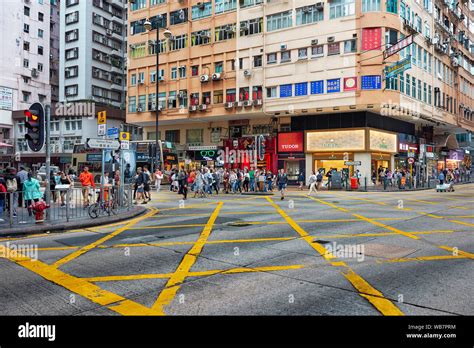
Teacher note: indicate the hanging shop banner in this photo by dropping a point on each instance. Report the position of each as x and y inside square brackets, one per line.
[290, 142]
[398, 68]
[400, 45]
[369, 82]
[206, 155]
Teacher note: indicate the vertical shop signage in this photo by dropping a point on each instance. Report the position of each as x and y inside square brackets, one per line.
[371, 38]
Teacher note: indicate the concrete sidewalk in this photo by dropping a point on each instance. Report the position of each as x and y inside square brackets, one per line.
[59, 226]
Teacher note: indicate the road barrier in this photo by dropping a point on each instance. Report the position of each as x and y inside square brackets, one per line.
[67, 204]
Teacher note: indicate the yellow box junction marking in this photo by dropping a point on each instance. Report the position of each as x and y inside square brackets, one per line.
[178, 277]
[375, 297]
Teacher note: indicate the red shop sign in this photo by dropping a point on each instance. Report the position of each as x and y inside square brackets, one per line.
[290, 142]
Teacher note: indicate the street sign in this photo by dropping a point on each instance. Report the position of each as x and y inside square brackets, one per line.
[124, 136]
[400, 45]
[411, 160]
[101, 129]
[113, 132]
[352, 163]
[125, 145]
[398, 67]
[102, 117]
[103, 144]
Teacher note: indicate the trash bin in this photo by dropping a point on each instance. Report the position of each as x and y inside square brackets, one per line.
[354, 185]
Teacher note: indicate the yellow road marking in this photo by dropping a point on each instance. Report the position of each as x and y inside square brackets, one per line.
[79, 286]
[194, 274]
[457, 251]
[178, 277]
[420, 201]
[86, 248]
[166, 226]
[462, 223]
[422, 258]
[207, 214]
[375, 297]
[371, 221]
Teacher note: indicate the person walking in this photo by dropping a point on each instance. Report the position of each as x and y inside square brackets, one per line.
[226, 181]
[199, 185]
[12, 189]
[31, 192]
[140, 184]
[269, 181]
[147, 183]
[282, 181]
[246, 180]
[233, 180]
[87, 181]
[3, 196]
[158, 178]
[215, 181]
[252, 179]
[64, 180]
[313, 181]
[238, 183]
[301, 180]
[23, 176]
[183, 189]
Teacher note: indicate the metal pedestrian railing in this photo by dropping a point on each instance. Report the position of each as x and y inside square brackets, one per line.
[66, 205]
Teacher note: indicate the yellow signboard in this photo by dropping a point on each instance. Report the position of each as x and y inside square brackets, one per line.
[124, 136]
[382, 141]
[340, 140]
[102, 117]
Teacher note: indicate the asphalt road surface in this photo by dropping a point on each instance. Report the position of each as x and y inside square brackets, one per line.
[336, 253]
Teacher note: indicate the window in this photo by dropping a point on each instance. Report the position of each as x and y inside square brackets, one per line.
[413, 87]
[252, 26]
[26, 63]
[391, 37]
[402, 83]
[392, 6]
[303, 53]
[137, 5]
[26, 96]
[271, 92]
[256, 92]
[230, 95]
[194, 136]
[174, 73]
[26, 45]
[201, 37]
[225, 5]
[172, 100]
[71, 90]
[40, 33]
[40, 16]
[257, 61]
[179, 16]
[194, 98]
[172, 136]
[141, 103]
[72, 35]
[26, 11]
[425, 89]
[195, 70]
[370, 5]
[182, 71]
[244, 93]
[138, 50]
[72, 71]
[350, 46]
[26, 28]
[70, 3]
[285, 56]
[133, 79]
[333, 48]
[419, 90]
[72, 53]
[408, 85]
[308, 14]
[40, 67]
[201, 10]
[132, 104]
[40, 50]
[219, 67]
[271, 58]
[72, 17]
[279, 21]
[341, 8]
[317, 51]
[247, 3]
[225, 32]
[218, 97]
[179, 42]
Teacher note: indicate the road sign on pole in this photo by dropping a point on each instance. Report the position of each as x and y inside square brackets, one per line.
[113, 132]
[103, 144]
[102, 117]
[101, 129]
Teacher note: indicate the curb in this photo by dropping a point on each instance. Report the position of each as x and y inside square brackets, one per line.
[37, 229]
[257, 193]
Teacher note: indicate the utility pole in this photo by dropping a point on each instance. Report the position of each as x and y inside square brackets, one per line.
[48, 156]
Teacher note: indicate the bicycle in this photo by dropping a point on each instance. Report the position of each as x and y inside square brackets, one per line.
[109, 206]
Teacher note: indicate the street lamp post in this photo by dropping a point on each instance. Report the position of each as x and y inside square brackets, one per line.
[167, 34]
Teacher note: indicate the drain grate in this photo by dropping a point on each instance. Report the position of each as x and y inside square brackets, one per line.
[238, 224]
[319, 241]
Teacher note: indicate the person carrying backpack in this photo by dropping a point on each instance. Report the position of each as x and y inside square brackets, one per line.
[31, 192]
[12, 189]
[319, 181]
[282, 181]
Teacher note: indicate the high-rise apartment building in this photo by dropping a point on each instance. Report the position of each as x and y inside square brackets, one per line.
[92, 56]
[24, 62]
[386, 83]
[54, 50]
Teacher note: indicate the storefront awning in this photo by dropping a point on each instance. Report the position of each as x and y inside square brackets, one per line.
[446, 140]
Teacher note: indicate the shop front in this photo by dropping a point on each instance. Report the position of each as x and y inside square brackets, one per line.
[336, 149]
[203, 156]
[291, 154]
[242, 153]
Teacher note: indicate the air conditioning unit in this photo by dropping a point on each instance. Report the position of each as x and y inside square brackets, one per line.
[109, 31]
[319, 6]
[204, 78]
[428, 40]
[283, 47]
[181, 95]
[244, 25]
[205, 34]
[258, 102]
[230, 28]
[139, 108]
[98, 56]
[34, 73]
[152, 107]
[141, 82]
[247, 73]
[247, 103]
[229, 105]
[331, 38]
[306, 9]
[314, 42]
[238, 104]
[203, 107]
[193, 108]
[216, 76]
[436, 40]
[161, 78]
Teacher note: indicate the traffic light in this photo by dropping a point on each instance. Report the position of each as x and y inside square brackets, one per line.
[35, 126]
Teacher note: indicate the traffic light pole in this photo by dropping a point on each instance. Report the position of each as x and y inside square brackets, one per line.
[48, 156]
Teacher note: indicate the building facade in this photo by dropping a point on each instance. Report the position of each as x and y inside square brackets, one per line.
[24, 63]
[316, 78]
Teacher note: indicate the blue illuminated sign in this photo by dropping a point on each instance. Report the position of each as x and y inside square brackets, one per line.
[317, 87]
[333, 85]
[301, 88]
[371, 82]
[286, 91]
